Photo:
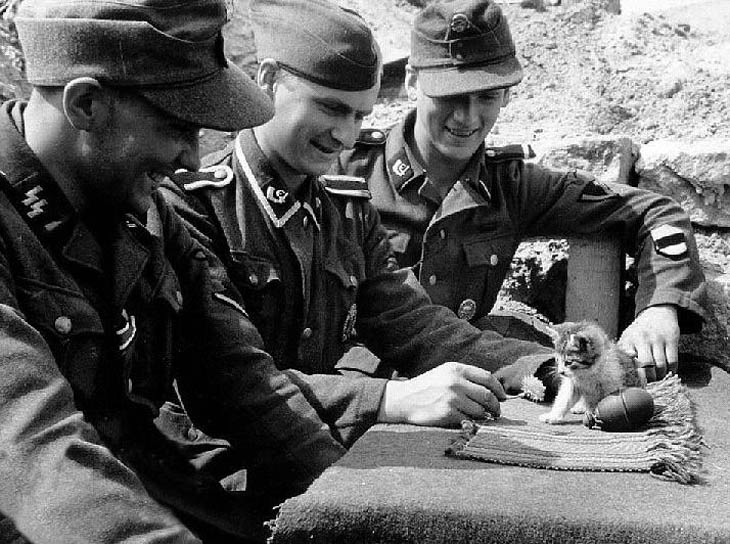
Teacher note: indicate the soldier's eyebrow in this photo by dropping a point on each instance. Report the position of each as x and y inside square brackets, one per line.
[340, 107]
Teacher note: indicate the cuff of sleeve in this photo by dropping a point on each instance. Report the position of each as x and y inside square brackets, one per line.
[511, 376]
[692, 312]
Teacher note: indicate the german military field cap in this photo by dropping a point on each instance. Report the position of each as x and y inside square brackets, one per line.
[463, 46]
[317, 40]
[169, 51]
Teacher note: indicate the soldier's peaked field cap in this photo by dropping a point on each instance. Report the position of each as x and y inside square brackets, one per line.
[317, 40]
[169, 51]
[463, 46]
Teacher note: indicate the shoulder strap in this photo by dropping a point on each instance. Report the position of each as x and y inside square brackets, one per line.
[372, 136]
[509, 152]
[352, 186]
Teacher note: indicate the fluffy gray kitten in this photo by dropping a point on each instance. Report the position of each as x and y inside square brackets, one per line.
[590, 365]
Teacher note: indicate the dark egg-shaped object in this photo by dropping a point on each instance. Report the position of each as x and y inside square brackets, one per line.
[625, 410]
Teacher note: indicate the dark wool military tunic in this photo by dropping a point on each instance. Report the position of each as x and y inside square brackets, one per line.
[461, 245]
[316, 274]
[91, 338]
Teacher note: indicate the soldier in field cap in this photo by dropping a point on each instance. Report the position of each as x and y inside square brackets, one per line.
[308, 251]
[109, 309]
[456, 210]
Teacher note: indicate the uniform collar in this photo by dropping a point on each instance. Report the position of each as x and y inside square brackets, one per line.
[404, 169]
[270, 190]
[52, 217]
[44, 205]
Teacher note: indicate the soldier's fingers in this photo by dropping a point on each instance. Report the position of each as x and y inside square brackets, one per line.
[672, 350]
[660, 358]
[486, 379]
[472, 409]
[484, 397]
[645, 362]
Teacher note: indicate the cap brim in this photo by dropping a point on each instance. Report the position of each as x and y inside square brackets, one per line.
[229, 101]
[453, 80]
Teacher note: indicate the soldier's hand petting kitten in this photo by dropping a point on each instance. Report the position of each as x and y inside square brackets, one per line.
[653, 339]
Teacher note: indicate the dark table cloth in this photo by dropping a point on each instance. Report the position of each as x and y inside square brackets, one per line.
[396, 486]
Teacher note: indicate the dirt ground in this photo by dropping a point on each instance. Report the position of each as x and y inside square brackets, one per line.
[660, 69]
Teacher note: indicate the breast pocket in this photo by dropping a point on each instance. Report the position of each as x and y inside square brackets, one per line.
[259, 282]
[488, 259]
[343, 277]
[71, 327]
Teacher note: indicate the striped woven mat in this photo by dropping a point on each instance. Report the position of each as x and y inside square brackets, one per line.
[668, 447]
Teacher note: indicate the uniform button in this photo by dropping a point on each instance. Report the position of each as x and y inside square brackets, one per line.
[253, 279]
[130, 385]
[459, 56]
[432, 280]
[377, 135]
[353, 281]
[305, 221]
[442, 233]
[493, 260]
[178, 297]
[63, 325]
[220, 173]
[307, 333]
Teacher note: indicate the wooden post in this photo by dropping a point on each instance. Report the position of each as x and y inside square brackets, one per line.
[595, 268]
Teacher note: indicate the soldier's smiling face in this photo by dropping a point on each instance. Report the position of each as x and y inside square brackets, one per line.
[138, 147]
[455, 125]
[313, 123]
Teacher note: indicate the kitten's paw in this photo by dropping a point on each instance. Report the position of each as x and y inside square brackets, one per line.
[579, 407]
[550, 418]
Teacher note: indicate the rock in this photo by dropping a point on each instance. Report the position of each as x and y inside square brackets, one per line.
[609, 158]
[694, 173]
[713, 343]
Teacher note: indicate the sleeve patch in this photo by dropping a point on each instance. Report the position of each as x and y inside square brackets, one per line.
[669, 241]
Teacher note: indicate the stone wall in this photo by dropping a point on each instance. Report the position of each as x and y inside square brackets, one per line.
[695, 173]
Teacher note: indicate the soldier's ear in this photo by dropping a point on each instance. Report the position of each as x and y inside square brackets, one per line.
[267, 76]
[411, 82]
[85, 103]
[506, 95]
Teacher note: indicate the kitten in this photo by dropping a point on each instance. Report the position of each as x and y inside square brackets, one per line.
[590, 365]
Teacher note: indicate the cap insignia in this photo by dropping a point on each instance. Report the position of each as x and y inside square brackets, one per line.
[459, 23]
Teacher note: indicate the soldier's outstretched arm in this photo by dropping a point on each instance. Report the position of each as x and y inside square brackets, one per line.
[60, 483]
